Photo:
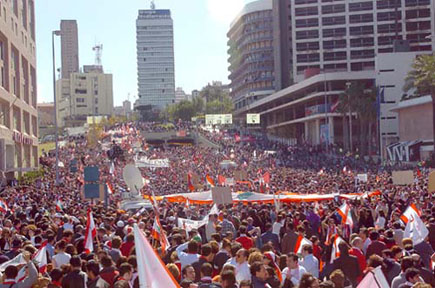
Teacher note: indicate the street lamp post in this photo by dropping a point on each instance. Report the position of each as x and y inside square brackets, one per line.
[348, 84]
[55, 33]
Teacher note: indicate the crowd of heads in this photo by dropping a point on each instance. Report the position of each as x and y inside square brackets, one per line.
[244, 245]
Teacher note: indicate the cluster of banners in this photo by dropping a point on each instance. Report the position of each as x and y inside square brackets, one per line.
[204, 198]
[144, 162]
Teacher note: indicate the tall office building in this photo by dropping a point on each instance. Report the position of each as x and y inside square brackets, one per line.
[282, 38]
[18, 91]
[251, 54]
[347, 35]
[155, 59]
[69, 47]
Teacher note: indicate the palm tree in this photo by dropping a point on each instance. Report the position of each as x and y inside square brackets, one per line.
[422, 78]
[362, 101]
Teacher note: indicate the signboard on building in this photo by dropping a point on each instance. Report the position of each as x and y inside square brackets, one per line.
[218, 119]
[20, 138]
[253, 118]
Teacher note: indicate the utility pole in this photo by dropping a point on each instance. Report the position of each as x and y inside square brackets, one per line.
[348, 84]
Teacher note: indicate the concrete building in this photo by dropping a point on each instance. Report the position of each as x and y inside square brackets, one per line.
[46, 113]
[69, 47]
[303, 111]
[155, 59]
[415, 130]
[82, 95]
[180, 95]
[391, 70]
[332, 43]
[18, 91]
[251, 54]
[347, 35]
[126, 105]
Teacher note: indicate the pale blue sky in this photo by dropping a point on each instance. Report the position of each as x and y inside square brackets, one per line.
[200, 28]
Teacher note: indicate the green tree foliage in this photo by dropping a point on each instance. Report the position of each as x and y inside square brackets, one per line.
[362, 101]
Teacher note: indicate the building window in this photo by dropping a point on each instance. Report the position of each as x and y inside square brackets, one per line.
[81, 91]
[17, 119]
[336, 32]
[15, 71]
[26, 118]
[336, 8]
[80, 100]
[360, 6]
[336, 20]
[361, 18]
[419, 13]
[4, 114]
[35, 126]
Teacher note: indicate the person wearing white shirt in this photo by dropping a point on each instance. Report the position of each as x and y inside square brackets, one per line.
[380, 222]
[191, 255]
[310, 262]
[210, 228]
[61, 257]
[242, 267]
[276, 227]
[293, 272]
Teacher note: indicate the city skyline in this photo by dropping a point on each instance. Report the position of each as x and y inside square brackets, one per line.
[195, 44]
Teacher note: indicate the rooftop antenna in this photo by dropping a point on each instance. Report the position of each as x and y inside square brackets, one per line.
[98, 51]
[153, 5]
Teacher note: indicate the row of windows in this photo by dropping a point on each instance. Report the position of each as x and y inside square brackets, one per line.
[362, 18]
[358, 66]
[356, 6]
[363, 30]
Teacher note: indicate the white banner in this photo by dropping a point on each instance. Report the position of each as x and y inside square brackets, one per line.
[144, 162]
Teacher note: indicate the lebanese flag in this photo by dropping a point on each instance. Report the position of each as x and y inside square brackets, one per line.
[346, 216]
[335, 106]
[3, 206]
[266, 178]
[335, 253]
[415, 229]
[112, 169]
[410, 213]
[221, 180]
[159, 234]
[152, 271]
[418, 172]
[41, 257]
[59, 205]
[109, 188]
[209, 180]
[91, 233]
[189, 182]
[300, 242]
[237, 138]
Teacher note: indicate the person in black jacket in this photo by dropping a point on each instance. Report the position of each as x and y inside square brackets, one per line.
[347, 263]
[76, 278]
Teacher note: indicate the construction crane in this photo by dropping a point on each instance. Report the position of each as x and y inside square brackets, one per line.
[98, 52]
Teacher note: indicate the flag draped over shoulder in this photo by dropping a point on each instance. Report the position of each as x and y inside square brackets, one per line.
[152, 272]
[91, 233]
[300, 242]
[409, 213]
[41, 257]
[335, 252]
[346, 216]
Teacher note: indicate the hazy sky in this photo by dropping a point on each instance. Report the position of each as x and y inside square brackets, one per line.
[200, 28]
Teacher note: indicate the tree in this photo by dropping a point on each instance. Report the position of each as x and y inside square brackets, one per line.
[183, 110]
[422, 78]
[361, 100]
[219, 107]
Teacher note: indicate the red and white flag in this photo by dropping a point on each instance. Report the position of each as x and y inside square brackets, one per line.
[335, 253]
[91, 233]
[3, 206]
[409, 213]
[112, 169]
[346, 216]
[109, 188]
[159, 234]
[415, 229]
[152, 271]
[41, 257]
[300, 242]
[209, 180]
[221, 180]
[189, 182]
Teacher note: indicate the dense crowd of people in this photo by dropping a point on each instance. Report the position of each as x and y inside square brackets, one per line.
[241, 245]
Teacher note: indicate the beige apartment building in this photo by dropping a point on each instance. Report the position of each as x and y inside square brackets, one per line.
[18, 99]
[82, 95]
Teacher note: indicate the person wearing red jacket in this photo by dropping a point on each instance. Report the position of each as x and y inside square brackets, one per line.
[127, 246]
[243, 239]
[356, 250]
